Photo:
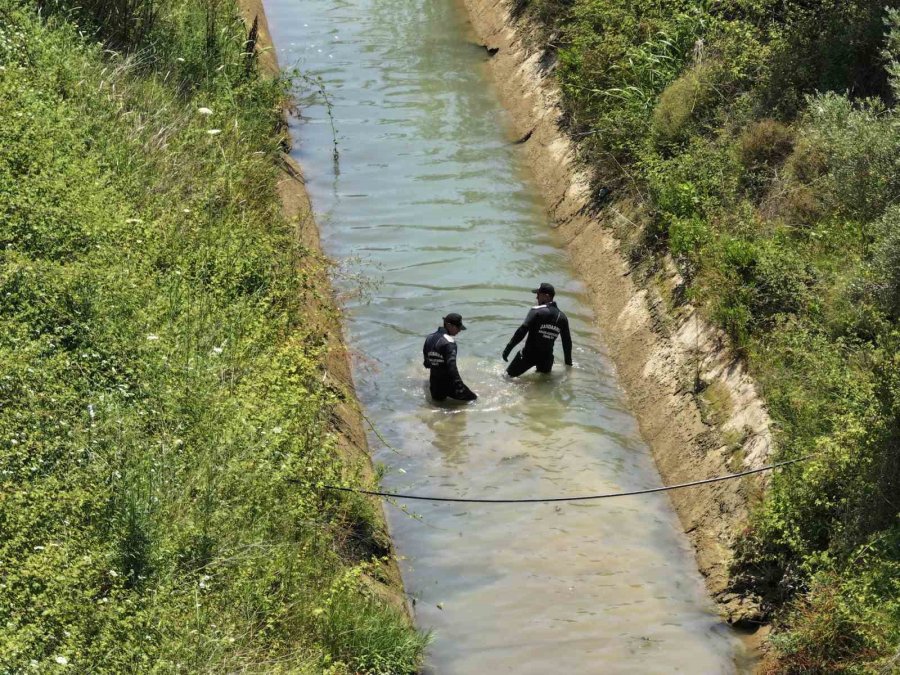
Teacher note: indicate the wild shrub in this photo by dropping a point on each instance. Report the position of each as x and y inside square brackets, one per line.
[678, 104]
[765, 143]
[846, 615]
[886, 263]
[548, 11]
[783, 282]
[615, 58]
[860, 144]
[807, 163]
[821, 46]
[891, 52]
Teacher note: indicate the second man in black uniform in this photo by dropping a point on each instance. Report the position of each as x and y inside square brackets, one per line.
[439, 352]
[544, 323]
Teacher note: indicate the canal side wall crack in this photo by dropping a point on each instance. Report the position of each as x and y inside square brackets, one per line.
[697, 407]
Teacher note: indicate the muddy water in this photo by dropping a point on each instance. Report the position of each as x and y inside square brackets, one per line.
[430, 207]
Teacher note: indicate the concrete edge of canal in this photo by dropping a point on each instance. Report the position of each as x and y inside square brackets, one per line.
[348, 422]
[661, 353]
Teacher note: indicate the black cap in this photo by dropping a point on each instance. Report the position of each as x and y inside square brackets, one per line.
[455, 319]
[545, 288]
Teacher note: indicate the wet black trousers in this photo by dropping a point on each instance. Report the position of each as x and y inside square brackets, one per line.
[442, 388]
[521, 363]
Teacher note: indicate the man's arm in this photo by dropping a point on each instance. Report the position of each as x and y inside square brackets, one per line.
[566, 337]
[519, 335]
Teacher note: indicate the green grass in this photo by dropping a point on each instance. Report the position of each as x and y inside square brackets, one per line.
[763, 138]
[158, 385]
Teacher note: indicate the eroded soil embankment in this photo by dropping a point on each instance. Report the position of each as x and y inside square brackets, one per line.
[324, 312]
[696, 405]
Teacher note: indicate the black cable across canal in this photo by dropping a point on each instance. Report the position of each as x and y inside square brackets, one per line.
[475, 500]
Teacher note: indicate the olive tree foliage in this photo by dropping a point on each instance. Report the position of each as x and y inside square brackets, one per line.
[892, 50]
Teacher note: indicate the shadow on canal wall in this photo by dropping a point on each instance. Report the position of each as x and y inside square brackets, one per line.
[697, 407]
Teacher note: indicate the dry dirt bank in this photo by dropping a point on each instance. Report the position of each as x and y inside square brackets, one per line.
[322, 310]
[696, 406]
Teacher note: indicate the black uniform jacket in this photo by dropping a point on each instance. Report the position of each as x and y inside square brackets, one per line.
[439, 353]
[543, 325]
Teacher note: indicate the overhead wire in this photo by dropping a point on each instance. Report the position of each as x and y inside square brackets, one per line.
[579, 498]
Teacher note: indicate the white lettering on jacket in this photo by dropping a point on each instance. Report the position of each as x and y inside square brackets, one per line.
[549, 331]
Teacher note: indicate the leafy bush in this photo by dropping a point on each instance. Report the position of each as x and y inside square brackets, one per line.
[886, 265]
[843, 616]
[860, 145]
[765, 143]
[678, 104]
[821, 46]
[891, 52]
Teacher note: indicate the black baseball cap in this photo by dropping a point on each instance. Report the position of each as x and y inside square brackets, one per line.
[455, 319]
[545, 288]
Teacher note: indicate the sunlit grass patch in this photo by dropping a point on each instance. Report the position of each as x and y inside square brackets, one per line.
[158, 381]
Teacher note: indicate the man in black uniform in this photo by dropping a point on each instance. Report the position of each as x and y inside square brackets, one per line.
[440, 358]
[544, 323]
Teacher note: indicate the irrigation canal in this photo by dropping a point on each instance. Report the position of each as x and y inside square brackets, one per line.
[432, 207]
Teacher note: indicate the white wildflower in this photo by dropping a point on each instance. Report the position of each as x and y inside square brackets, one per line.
[276, 430]
[180, 60]
[61, 660]
[152, 338]
[214, 132]
[205, 111]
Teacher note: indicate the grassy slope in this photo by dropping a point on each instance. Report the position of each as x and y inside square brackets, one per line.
[775, 191]
[157, 382]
